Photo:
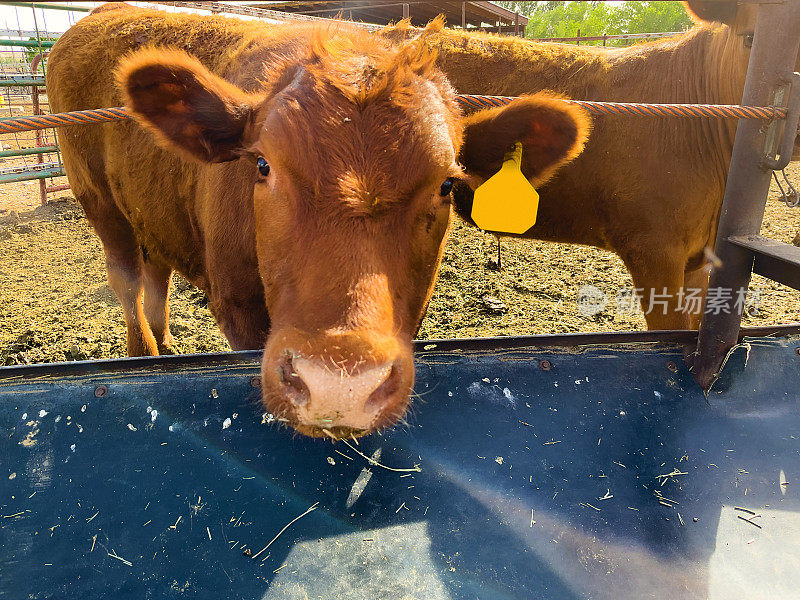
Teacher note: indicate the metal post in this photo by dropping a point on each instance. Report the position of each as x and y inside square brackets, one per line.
[57, 188]
[772, 59]
[55, 171]
[37, 110]
[28, 151]
[21, 81]
[27, 43]
[463, 15]
[67, 7]
[516, 24]
[39, 142]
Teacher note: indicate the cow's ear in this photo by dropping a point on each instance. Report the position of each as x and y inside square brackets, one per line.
[719, 11]
[188, 107]
[551, 131]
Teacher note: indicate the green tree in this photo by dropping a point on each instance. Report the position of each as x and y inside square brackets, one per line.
[596, 18]
[646, 17]
[30, 53]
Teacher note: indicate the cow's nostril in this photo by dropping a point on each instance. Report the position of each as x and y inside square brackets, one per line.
[294, 386]
[316, 394]
[386, 391]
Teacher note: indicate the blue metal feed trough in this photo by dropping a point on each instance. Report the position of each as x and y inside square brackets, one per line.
[601, 472]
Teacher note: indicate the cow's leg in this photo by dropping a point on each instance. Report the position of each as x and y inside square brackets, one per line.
[123, 266]
[658, 277]
[236, 292]
[157, 282]
[243, 320]
[695, 283]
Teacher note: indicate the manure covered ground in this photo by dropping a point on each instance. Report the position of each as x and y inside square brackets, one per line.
[55, 302]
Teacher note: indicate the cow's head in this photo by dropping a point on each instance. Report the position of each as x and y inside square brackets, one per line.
[740, 20]
[353, 147]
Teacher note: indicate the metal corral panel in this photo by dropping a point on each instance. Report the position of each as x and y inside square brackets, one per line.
[607, 475]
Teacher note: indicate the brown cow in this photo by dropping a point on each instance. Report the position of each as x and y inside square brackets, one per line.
[300, 175]
[647, 188]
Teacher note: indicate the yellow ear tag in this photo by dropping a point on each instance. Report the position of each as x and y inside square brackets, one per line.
[506, 202]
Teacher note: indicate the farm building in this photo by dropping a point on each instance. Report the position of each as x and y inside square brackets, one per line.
[486, 16]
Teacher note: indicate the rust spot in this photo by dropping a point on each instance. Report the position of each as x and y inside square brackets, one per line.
[546, 365]
[256, 382]
[100, 391]
[672, 367]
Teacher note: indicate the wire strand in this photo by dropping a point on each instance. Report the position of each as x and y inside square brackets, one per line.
[101, 115]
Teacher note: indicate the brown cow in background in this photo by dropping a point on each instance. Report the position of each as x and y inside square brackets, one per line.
[647, 188]
[299, 175]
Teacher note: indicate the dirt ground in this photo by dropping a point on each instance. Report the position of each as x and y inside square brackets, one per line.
[55, 303]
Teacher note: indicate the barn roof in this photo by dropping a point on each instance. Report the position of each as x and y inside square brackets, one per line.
[484, 15]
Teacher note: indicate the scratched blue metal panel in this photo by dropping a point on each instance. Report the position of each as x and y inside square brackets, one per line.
[607, 476]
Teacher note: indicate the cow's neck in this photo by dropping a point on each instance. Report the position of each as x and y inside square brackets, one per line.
[706, 66]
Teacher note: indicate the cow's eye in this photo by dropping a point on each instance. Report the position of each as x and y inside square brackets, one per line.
[447, 187]
[263, 166]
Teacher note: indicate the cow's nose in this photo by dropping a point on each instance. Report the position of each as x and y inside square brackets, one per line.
[326, 396]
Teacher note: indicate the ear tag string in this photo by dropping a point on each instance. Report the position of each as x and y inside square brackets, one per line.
[506, 202]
